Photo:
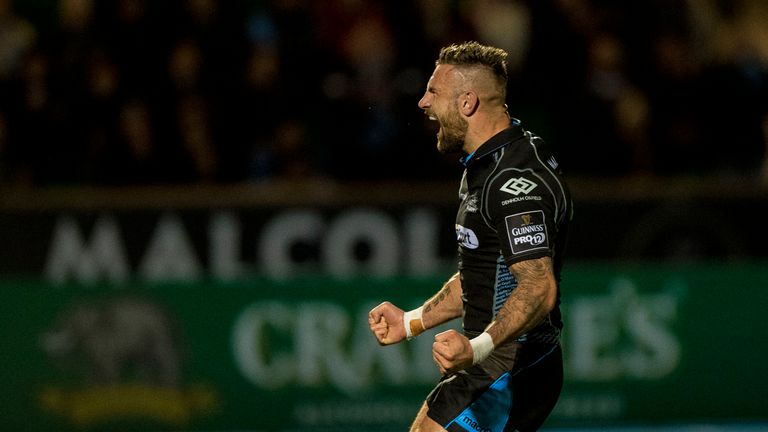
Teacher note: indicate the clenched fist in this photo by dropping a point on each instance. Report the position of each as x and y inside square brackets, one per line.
[386, 323]
[452, 352]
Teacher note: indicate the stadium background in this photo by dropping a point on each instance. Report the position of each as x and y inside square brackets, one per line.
[200, 200]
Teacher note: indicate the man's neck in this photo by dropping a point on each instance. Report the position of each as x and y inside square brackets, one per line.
[483, 130]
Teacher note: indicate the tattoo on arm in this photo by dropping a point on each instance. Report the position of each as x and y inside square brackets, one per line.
[438, 298]
[536, 269]
[529, 303]
[445, 305]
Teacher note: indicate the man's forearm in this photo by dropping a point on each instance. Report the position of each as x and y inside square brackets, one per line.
[440, 308]
[445, 305]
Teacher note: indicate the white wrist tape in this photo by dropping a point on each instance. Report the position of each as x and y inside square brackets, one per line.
[411, 316]
[482, 346]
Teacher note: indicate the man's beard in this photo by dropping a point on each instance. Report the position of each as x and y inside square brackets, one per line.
[450, 138]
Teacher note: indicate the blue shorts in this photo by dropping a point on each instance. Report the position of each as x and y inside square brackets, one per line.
[517, 400]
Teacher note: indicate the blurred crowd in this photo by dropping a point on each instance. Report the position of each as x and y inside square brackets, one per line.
[124, 92]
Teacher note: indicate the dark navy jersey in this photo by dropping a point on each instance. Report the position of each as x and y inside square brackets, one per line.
[514, 206]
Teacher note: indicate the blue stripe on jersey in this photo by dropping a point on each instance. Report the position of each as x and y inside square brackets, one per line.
[504, 285]
[490, 412]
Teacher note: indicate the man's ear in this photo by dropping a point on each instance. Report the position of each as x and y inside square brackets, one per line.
[468, 103]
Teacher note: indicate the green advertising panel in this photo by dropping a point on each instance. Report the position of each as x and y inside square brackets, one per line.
[643, 343]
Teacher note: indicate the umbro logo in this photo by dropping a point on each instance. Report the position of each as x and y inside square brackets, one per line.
[517, 186]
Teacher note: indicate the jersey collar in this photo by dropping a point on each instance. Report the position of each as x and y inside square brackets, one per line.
[501, 139]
